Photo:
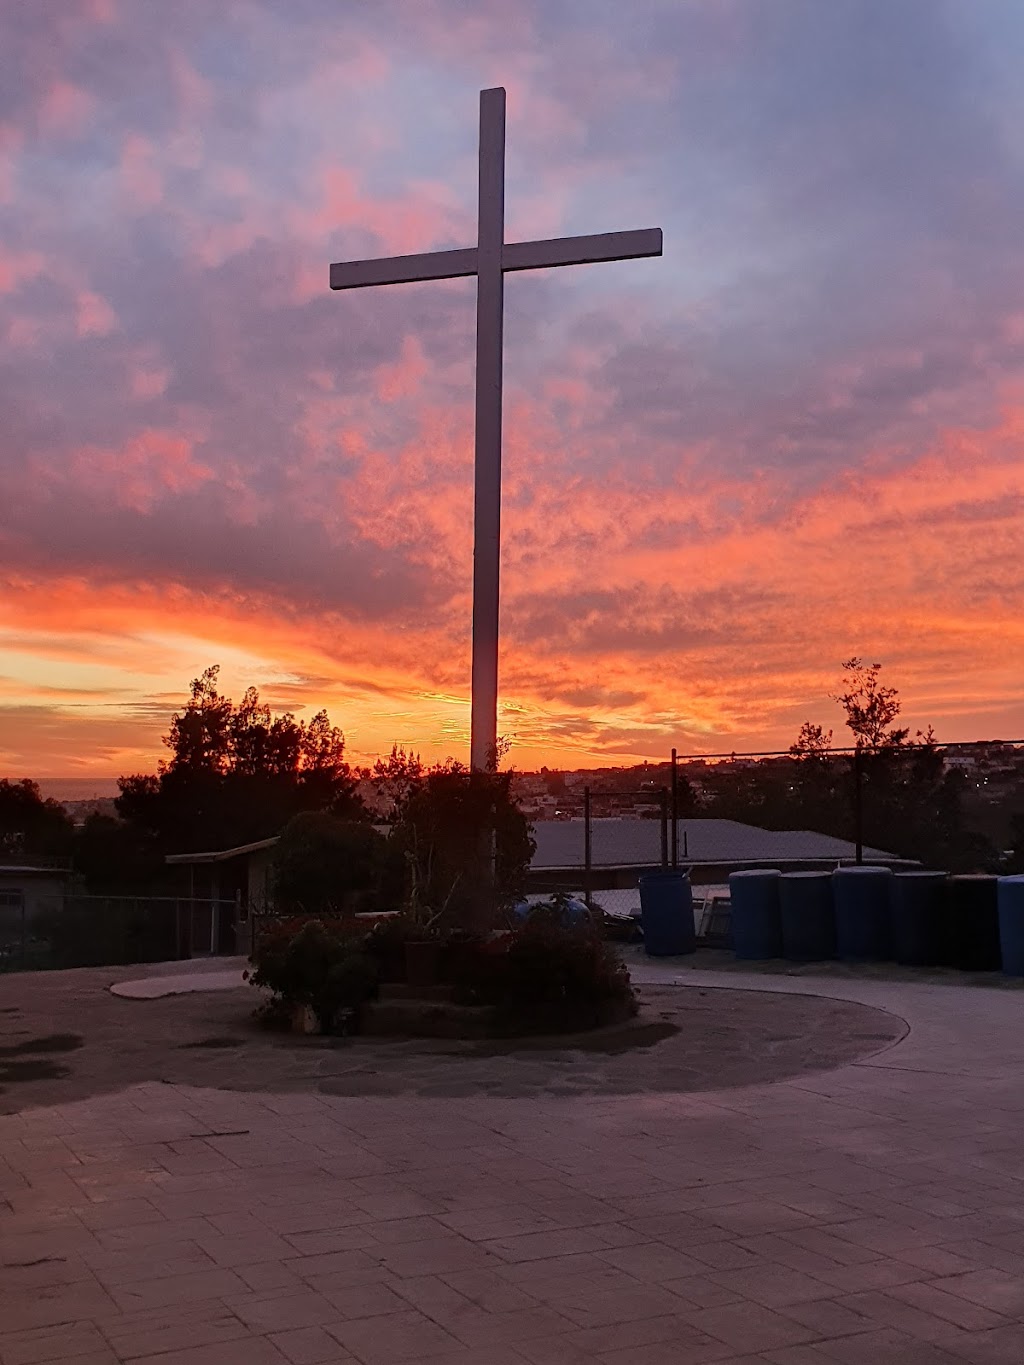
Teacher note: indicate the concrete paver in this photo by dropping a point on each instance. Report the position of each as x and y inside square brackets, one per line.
[868, 1214]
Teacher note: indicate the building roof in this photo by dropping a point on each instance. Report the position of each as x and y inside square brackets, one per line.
[617, 842]
[637, 843]
[33, 870]
[223, 854]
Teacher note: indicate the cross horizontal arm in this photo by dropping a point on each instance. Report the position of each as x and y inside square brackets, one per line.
[601, 246]
[430, 265]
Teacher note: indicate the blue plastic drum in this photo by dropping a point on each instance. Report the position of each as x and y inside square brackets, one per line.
[916, 917]
[808, 920]
[756, 921]
[1010, 893]
[666, 913]
[973, 922]
[861, 898]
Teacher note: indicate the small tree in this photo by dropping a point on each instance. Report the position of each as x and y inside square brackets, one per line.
[324, 865]
[395, 779]
[870, 708]
[237, 773]
[813, 744]
[441, 830]
[29, 824]
[116, 858]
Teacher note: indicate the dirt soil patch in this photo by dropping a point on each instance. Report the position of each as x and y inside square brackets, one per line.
[686, 1039]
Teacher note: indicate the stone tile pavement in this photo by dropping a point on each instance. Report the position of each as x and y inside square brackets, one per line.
[868, 1215]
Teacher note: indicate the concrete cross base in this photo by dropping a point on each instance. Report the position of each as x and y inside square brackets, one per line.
[401, 990]
[424, 1018]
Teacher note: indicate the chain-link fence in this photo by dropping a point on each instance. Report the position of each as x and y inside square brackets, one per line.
[953, 807]
[957, 807]
[604, 837]
[98, 931]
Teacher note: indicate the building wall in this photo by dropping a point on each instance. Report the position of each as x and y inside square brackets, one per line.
[37, 893]
[260, 889]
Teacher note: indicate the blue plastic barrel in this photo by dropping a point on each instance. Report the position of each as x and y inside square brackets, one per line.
[916, 917]
[1010, 898]
[574, 910]
[808, 920]
[666, 913]
[861, 899]
[972, 922]
[756, 922]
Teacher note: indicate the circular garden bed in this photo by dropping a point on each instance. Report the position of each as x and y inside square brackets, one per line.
[548, 974]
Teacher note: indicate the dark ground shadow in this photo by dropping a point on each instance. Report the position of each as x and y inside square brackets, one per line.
[686, 1039]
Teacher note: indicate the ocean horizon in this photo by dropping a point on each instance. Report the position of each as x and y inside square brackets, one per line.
[76, 788]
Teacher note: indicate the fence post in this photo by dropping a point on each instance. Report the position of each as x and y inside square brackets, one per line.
[675, 811]
[587, 849]
[664, 827]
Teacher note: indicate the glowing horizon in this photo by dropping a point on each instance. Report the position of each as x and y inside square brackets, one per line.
[800, 440]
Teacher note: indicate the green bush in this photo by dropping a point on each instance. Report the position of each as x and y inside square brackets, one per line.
[548, 976]
[317, 965]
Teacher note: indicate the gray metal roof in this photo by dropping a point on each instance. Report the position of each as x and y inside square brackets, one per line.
[637, 843]
[223, 854]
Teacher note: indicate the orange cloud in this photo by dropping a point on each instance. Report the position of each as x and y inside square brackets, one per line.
[621, 637]
[151, 465]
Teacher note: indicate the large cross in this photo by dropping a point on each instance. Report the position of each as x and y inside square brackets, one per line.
[489, 260]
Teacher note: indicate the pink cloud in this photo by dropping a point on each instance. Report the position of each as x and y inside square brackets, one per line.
[427, 212]
[93, 314]
[403, 378]
[18, 266]
[139, 177]
[148, 467]
[65, 109]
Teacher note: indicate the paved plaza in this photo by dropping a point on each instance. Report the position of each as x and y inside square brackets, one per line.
[250, 1199]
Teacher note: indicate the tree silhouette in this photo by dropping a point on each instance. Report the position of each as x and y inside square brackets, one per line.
[237, 773]
[31, 825]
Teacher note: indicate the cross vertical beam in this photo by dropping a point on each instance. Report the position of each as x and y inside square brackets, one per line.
[489, 260]
[490, 305]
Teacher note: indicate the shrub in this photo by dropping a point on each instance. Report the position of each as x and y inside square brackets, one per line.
[548, 976]
[324, 967]
[322, 864]
[441, 828]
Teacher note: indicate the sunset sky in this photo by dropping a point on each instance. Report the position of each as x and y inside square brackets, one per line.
[796, 437]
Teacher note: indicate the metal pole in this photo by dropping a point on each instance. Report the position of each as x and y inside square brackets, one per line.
[664, 827]
[675, 811]
[214, 909]
[487, 498]
[587, 847]
[858, 806]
